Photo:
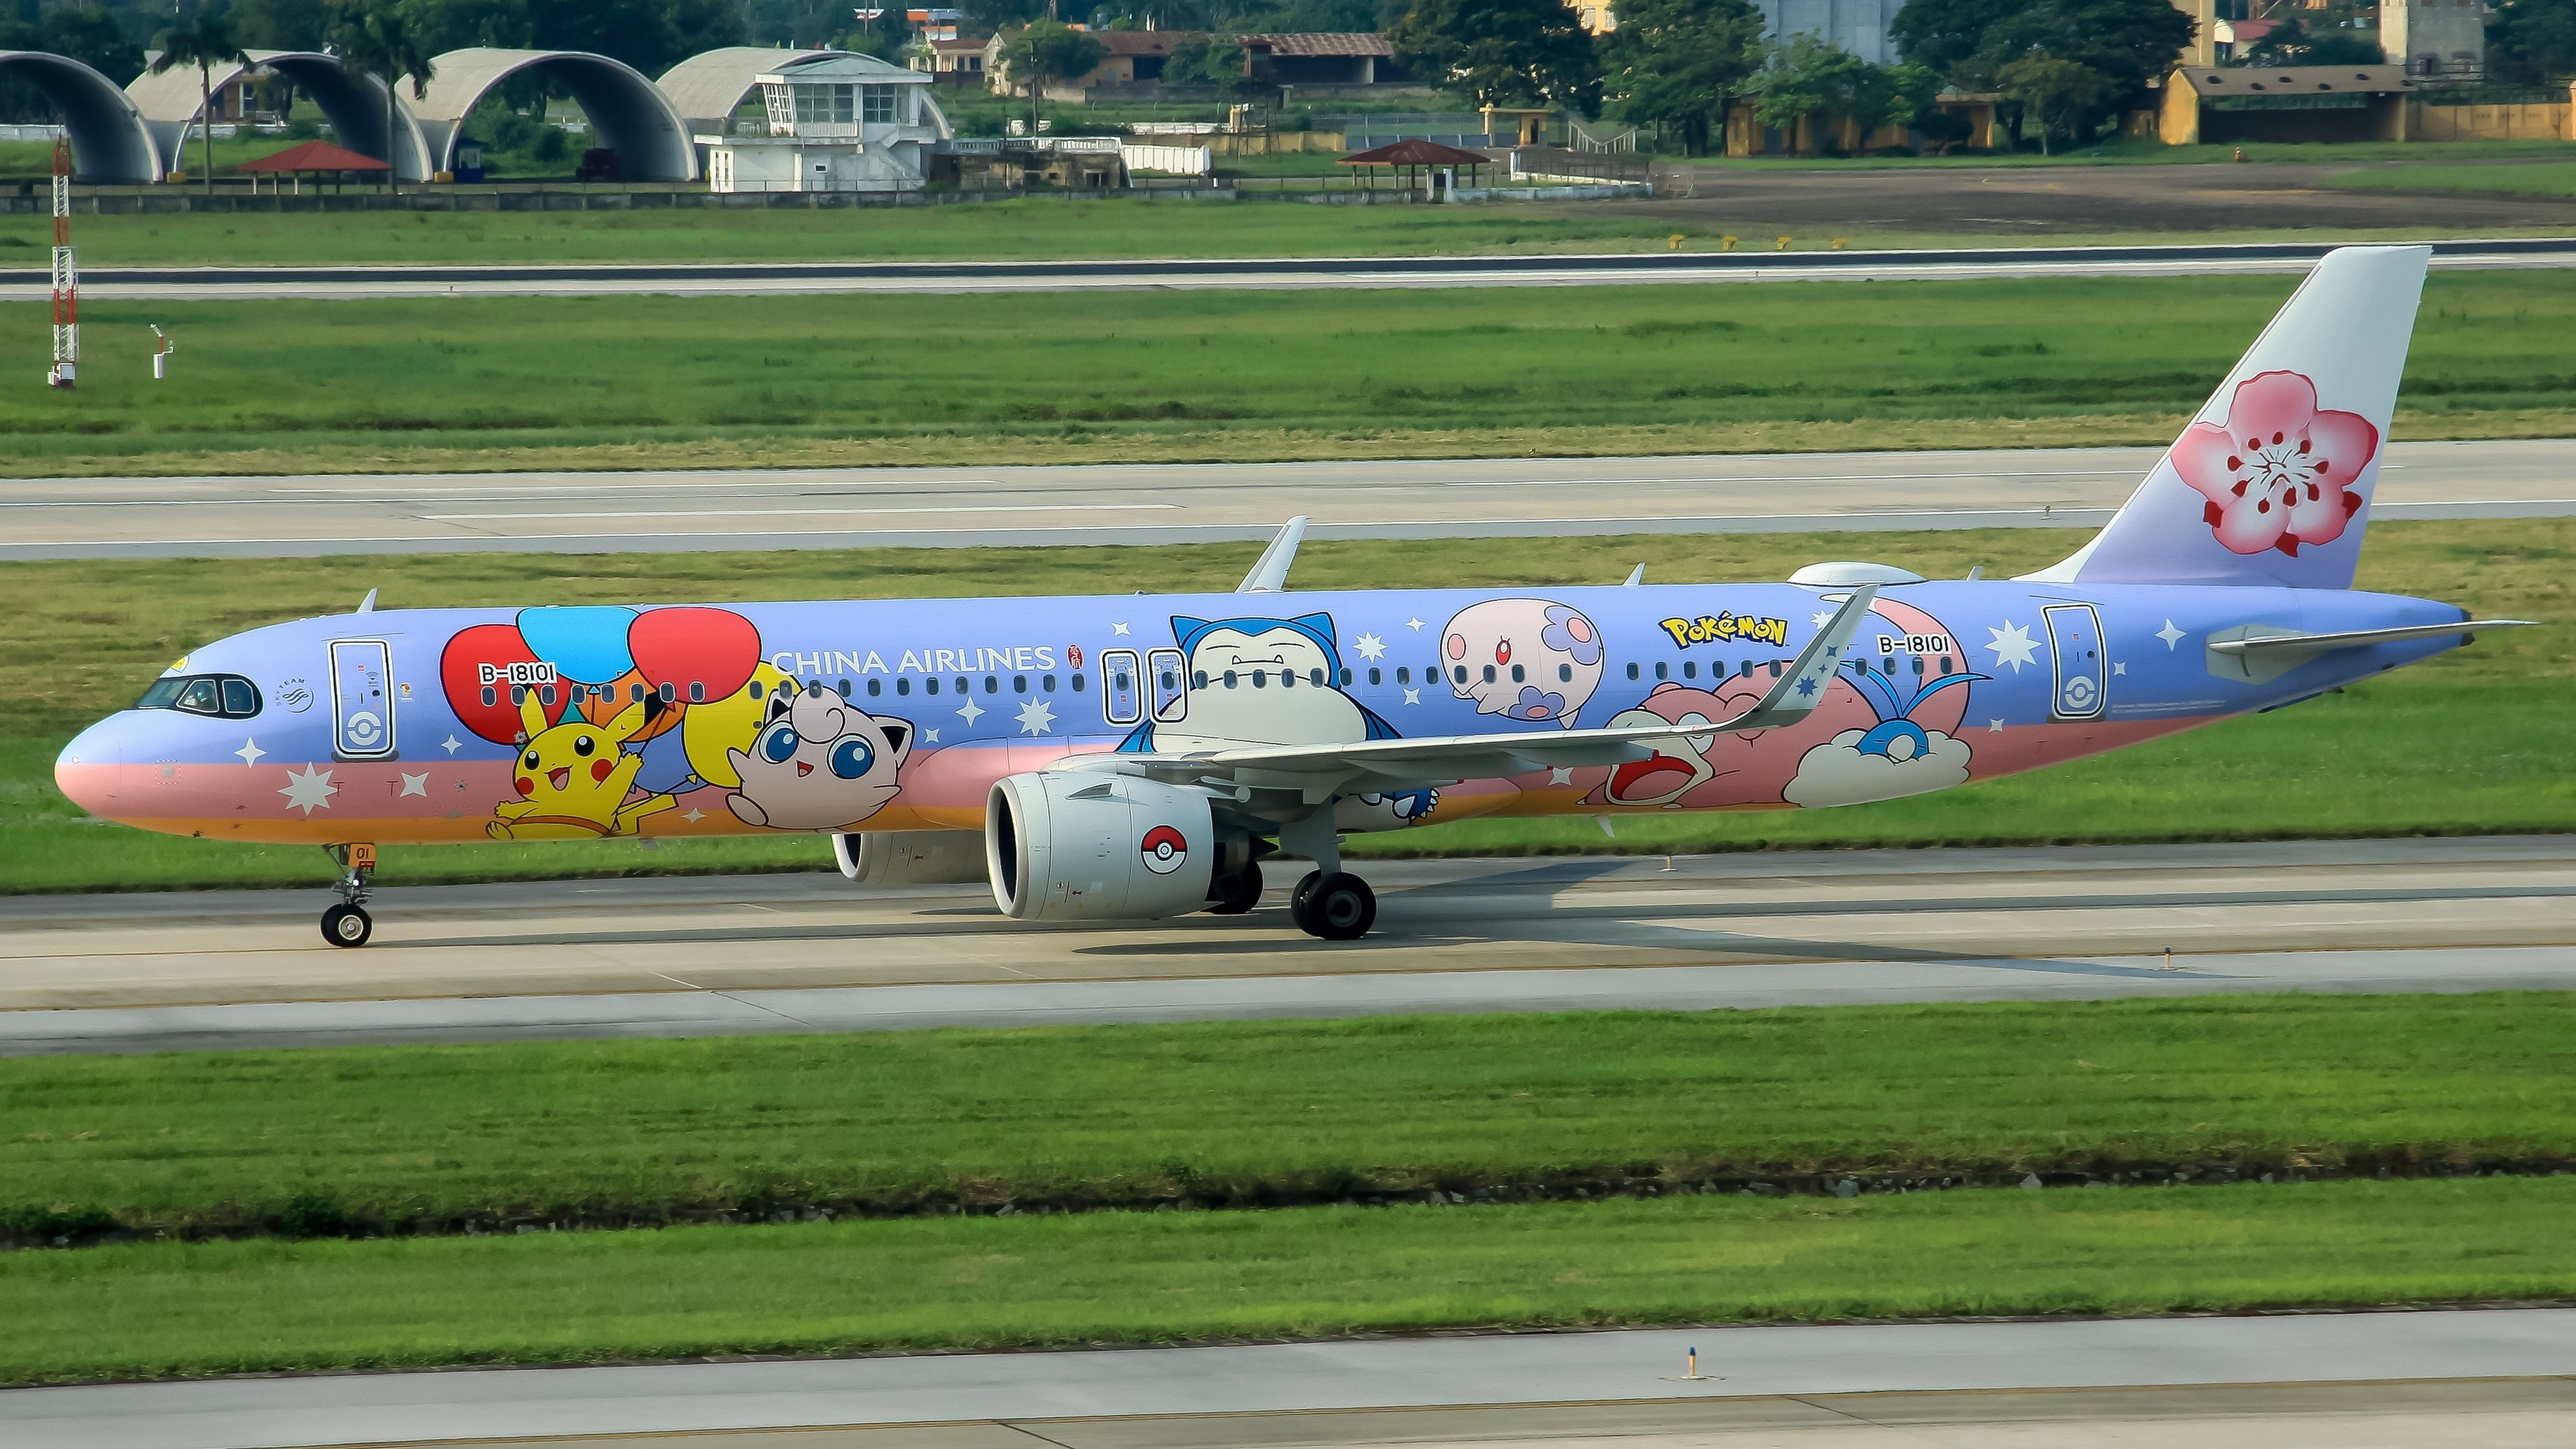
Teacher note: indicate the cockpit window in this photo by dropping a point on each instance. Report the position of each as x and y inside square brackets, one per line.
[225, 696]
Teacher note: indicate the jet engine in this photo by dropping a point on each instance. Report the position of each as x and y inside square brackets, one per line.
[909, 857]
[1075, 846]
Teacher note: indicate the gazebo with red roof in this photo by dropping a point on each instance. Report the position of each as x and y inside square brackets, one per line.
[311, 156]
[1416, 152]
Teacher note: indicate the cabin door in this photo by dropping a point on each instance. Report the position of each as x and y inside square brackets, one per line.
[362, 701]
[2075, 640]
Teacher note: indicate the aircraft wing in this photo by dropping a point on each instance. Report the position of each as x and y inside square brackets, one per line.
[1317, 772]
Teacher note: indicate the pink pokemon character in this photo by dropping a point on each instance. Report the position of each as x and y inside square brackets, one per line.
[819, 763]
[1523, 658]
[2280, 472]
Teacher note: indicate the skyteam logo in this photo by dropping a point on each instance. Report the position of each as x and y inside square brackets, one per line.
[1165, 850]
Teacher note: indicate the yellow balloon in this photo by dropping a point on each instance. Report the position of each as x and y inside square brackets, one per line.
[729, 724]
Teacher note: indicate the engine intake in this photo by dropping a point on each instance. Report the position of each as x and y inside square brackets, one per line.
[1071, 846]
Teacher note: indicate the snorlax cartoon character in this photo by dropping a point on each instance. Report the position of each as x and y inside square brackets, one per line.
[573, 779]
[1260, 682]
[819, 763]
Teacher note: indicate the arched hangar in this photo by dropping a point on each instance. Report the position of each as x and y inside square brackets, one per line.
[354, 104]
[111, 141]
[628, 114]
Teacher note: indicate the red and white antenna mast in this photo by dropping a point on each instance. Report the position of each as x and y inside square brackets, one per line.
[66, 271]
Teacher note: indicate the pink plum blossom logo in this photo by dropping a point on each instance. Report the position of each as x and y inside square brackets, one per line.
[2279, 473]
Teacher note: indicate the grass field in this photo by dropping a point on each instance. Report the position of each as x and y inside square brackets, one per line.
[2467, 744]
[172, 1308]
[2539, 178]
[434, 1139]
[650, 381]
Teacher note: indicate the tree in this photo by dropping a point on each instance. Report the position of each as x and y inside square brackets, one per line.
[1809, 76]
[207, 44]
[2057, 93]
[1502, 52]
[92, 36]
[1674, 64]
[282, 24]
[1048, 51]
[2289, 43]
[1969, 41]
[383, 44]
[2529, 42]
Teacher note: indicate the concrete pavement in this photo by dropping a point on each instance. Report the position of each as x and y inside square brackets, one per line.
[1062, 505]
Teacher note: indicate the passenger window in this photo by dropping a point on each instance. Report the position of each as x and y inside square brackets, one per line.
[1775, 669]
[1346, 678]
[1403, 674]
[240, 700]
[698, 690]
[1746, 669]
[1047, 682]
[635, 694]
[1077, 682]
[992, 684]
[1316, 677]
[1519, 675]
[930, 685]
[546, 694]
[1462, 674]
[1632, 671]
[1261, 677]
[1489, 674]
[491, 697]
[1565, 674]
[842, 689]
[1918, 665]
[903, 686]
[1690, 669]
[1019, 684]
[962, 684]
[1377, 676]
[1663, 670]
[1229, 679]
[875, 688]
[668, 691]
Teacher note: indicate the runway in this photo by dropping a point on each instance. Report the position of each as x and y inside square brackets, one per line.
[717, 279]
[1057, 506]
[2492, 1377]
[805, 953]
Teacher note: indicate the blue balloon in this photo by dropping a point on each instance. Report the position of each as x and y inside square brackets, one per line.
[666, 764]
[587, 642]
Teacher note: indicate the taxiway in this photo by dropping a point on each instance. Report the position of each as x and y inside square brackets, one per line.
[1063, 505]
[734, 955]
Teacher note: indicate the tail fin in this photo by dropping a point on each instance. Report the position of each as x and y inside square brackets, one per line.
[2271, 484]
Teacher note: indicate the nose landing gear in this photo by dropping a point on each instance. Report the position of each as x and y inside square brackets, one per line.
[348, 924]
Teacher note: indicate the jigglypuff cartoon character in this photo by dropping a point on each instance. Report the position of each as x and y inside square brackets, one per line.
[820, 763]
[1260, 682]
[573, 779]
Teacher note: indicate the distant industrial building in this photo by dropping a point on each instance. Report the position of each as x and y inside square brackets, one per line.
[2435, 40]
[1859, 26]
[1323, 60]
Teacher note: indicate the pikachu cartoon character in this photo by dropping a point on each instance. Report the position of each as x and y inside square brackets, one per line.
[573, 780]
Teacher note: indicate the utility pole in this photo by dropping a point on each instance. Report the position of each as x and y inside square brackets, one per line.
[66, 271]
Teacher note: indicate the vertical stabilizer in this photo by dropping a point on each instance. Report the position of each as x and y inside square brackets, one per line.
[2271, 483]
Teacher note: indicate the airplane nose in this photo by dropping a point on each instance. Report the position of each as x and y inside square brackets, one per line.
[87, 769]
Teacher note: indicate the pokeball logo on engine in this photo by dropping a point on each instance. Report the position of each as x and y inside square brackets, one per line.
[1164, 849]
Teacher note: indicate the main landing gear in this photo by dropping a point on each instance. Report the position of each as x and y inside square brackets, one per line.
[348, 924]
[1333, 904]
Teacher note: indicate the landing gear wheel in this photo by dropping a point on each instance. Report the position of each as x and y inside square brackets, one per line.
[347, 925]
[1338, 907]
[1299, 895]
[1238, 892]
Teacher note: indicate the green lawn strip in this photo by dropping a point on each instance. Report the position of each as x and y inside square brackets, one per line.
[151, 1310]
[2469, 743]
[433, 1139]
[2537, 178]
[1218, 374]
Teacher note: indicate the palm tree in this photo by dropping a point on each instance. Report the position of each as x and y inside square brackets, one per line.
[207, 44]
[380, 43]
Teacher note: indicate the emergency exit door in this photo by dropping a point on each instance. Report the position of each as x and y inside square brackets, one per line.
[2075, 639]
[362, 701]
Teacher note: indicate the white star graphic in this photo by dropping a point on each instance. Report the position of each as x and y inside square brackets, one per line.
[1561, 775]
[930, 737]
[251, 753]
[693, 815]
[1414, 624]
[1413, 696]
[416, 785]
[1820, 620]
[2117, 667]
[452, 744]
[970, 712]
[309, 791]
[1120, 629]
[1370, 646]
[1035, 717]
[2013, 645]
[2171, 635]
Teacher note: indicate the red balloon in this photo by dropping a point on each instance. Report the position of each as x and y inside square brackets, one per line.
[717, 648]
[462, 671]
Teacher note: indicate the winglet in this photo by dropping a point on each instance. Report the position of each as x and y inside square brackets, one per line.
[1803, 687]
[1270, 573]
[1635, 577]
[367, 605]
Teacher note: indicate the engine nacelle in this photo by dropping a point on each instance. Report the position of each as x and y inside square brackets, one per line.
[1076, 846]
[909, 857]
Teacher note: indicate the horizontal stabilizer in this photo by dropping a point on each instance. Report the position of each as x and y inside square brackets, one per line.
[2255, 652]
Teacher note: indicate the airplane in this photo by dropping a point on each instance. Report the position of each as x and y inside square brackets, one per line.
[1139, 757]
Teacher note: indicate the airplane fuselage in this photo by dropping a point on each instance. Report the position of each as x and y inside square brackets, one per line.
[671, 721]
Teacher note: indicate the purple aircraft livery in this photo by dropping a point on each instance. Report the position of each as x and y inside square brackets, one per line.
[1138, 756]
